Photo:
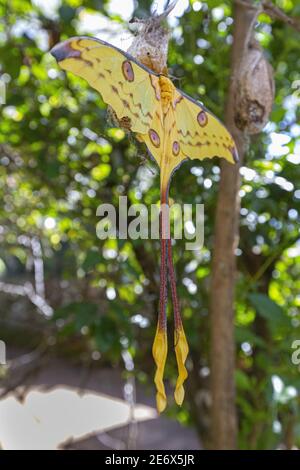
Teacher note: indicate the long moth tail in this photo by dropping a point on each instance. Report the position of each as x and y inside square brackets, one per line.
[180, 342]
[160, 345]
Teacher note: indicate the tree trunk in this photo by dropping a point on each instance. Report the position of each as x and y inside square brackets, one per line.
[223, 413]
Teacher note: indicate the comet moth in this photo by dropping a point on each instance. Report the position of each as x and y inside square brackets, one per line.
[173, 126]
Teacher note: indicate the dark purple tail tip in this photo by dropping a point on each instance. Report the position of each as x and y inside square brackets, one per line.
[63, 50]
[235, 154]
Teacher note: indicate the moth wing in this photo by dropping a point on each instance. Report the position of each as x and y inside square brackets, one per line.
[131, 89]
[197, 133]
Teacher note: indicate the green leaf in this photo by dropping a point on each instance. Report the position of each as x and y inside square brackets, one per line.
[91, 260]
[107, 335]
[67, 13]
[243, 334]
[102, 171]
[84, 309]
[268, 309]
[242, 380]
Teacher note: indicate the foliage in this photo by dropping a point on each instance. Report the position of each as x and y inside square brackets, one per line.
[60, 159]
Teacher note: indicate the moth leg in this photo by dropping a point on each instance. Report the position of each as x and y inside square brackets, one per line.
[124, 123]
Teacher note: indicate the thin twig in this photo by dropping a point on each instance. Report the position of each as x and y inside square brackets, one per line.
[38, 267]
[22, 368]
[130, 398]
[272, 11]
[36, 293]
[271, 259]
[276, 13]
[27, 290]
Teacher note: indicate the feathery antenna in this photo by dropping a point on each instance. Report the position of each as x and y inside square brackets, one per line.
[169, 7]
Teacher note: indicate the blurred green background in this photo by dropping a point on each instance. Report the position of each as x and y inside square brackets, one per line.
[60, 159]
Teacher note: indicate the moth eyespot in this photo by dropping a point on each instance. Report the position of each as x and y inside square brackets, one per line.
[154, 137]
[176, 148]
[128, 71]
[202, 118]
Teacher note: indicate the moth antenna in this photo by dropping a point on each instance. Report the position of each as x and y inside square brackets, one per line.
[169, 7]
[174, 78]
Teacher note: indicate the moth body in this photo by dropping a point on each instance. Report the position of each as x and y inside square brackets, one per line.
[166, 92]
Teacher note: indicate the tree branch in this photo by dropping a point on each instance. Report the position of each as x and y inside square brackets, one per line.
[36, 293]
[277, 14]
[21, 369]
[272, 11]
[222, 353]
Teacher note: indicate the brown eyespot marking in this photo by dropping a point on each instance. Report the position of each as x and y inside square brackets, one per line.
[128, 71]
[154, 137]
[202, 118]
[176, 148]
